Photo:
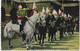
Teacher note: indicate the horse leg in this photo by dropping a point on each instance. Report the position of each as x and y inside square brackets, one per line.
[55, 35]
[49, 37]
[31, 41]
[27, 40]
[61, 34]
[10, 46]
[64, 32]
[35, 36]
[40, 39]
[23, 38]
[72, 31]
[43, 39]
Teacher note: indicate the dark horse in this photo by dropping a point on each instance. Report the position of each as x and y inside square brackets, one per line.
[42, 30]
[71, 23]
[51, 27]
[59, 26]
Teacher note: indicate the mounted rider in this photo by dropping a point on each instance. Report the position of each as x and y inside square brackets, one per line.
[69, 21]
[59, 20]
[34, 9]
[59, 24]
[48, 14]
[23, 18]
[54, 13]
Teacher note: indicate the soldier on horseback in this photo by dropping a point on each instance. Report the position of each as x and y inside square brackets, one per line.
[51, 28]
[34, 9]
[59, 24]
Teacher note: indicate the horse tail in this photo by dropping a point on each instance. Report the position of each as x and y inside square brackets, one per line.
[5, 32]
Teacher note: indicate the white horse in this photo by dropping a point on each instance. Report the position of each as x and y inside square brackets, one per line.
[29, 28]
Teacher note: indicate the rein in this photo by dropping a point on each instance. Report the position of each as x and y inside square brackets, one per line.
[31, 25]
[32, 22]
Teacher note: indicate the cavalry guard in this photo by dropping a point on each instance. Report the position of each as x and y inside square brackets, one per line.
[34, 11]
[43, 11]
[22, 14]
[69, 19]
[47, 11]
[54, 12]
[19, 17]
[48, 16]
[59, 24]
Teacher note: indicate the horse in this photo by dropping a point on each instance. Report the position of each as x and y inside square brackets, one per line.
[29, 28]
[42, 30]
[52, 29]
[70, 26]
[10, 30]
[59, 26]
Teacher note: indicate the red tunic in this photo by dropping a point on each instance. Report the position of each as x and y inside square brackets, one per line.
[31, 13]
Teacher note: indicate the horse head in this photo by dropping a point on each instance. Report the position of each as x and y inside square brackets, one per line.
[42, 18]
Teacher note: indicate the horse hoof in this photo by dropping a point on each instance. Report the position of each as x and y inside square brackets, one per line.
[40, 44]
[10, 46]
[51, 41]
[31, 47]
[48, 40]
[43, 44]
[35, 39]
[27, 48]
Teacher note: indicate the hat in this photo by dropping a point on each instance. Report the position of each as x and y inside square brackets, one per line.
[69, 15]
[60, 11]
[43, 10]
[20, 6]
[34, 6]
[47, 10]
[54, 12]
[65, 16]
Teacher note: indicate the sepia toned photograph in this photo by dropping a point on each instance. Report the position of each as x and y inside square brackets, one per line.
[40, 25]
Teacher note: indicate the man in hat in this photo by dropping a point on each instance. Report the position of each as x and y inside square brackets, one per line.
[54, 12]
[70, 24]
[48, 14]
[34, 11]
[19, 18]
[23, 21]
[59, 24]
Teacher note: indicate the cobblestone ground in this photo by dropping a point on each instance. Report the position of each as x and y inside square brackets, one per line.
[67, 43]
